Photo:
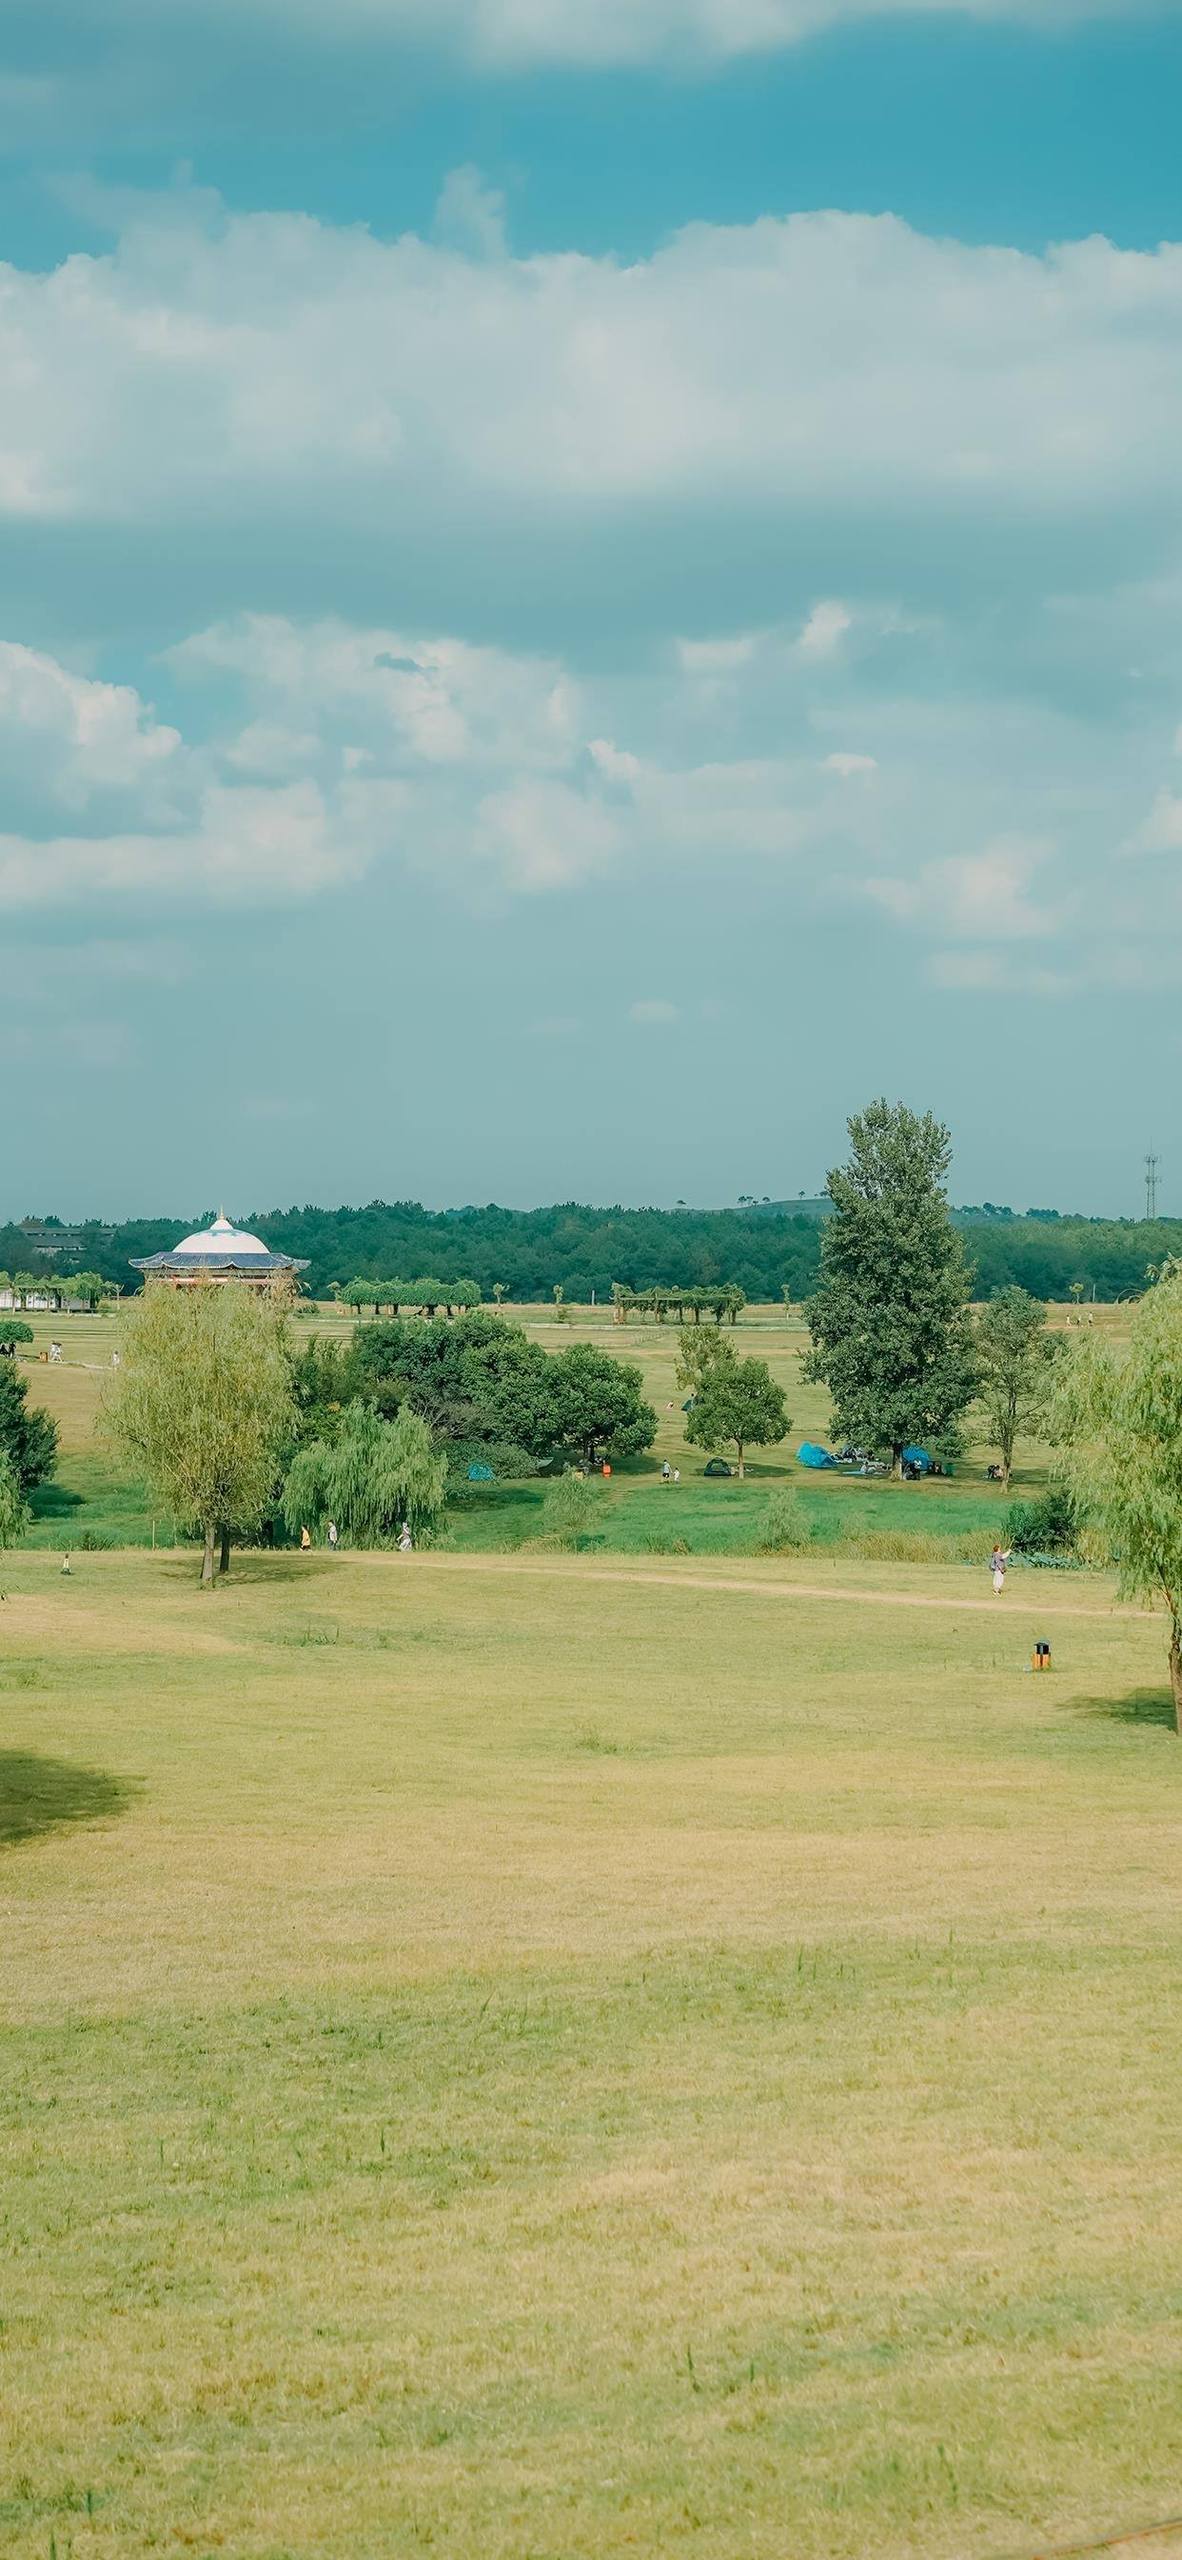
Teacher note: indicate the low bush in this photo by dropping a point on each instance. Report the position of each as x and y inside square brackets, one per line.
[1045, 1527]
[570, 1511]
[787, 1528]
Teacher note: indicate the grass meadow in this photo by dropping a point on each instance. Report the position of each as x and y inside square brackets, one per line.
[556, 2057]
[560, 2057]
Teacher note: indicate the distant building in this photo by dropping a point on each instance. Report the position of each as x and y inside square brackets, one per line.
[220, 1253]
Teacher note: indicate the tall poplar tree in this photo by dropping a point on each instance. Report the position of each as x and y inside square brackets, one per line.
[890, 1325]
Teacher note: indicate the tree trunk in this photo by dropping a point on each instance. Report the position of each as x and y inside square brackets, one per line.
[1176, 1670]
[742, 1470]
[897, 1464]
[207, 1558]
[224, 1555]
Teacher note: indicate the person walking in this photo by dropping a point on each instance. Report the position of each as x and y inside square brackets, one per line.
[332, 1533]
[405, 1540]
[997, 1566]
[305, 1539]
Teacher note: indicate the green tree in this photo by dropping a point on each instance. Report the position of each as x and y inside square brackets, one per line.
[87, 1285]
[480, 1381]
[889, 1319]
[697, 1354]
[203, 1404]
[1117, 1416]
[738, 1405]
[1014, 1351]
[28, 1436]
[13, 1329]
[598, 1404]
[369, 1479]
[14, 1510]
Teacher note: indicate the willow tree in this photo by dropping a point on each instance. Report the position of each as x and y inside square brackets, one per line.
[203, 1404]
[1117, 1416]
[14, 1510]
[369, 1479]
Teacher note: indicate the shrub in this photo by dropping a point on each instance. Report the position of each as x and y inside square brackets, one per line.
[1045, 1527]
[570, 1510]
[787, 1528]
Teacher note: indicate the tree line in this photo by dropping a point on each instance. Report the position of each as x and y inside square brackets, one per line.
[526, 1254]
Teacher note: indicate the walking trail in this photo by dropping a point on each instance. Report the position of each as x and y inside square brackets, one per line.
[577, 1568]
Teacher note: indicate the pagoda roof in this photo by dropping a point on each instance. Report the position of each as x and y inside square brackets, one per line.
[221, 1247]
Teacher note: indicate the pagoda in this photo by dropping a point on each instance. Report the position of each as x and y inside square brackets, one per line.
[220, 1253]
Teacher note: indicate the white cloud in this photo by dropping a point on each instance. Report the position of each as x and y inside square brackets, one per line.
[725, 657]
[1162, 831]
[509, 34]
[848, 765]
[997, 973]
[470, 215]
[236, 372]
[246, 846]
[654, 1010]
[73, 739]
[825, 629]
[982, 896]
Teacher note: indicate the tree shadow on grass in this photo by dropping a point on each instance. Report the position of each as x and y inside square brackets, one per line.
[1137, 1706]
[39, 1795]
[54, 1501]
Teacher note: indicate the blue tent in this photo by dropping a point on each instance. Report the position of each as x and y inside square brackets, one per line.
[480, 1474]
[811, 1454]
[915, 1457]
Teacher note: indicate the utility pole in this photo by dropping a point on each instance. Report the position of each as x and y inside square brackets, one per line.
[1152, 1170]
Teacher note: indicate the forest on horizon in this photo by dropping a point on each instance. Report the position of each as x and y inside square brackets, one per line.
[764, 1247]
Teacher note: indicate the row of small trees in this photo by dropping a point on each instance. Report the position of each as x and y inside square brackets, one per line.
[81, 1288]
[389, 1297]
[724, 1301]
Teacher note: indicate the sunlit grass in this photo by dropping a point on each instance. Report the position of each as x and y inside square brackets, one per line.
[506, 2060]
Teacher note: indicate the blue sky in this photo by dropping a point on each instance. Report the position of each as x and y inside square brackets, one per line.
[586, 584]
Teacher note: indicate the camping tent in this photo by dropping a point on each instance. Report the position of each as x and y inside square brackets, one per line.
[480, 1474]
[811, 1454]
[917, 1458]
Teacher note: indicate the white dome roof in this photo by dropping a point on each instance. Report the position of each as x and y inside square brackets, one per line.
[221, 1241]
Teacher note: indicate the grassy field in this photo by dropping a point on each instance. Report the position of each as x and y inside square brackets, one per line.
[92, 1498]
[552, 2058]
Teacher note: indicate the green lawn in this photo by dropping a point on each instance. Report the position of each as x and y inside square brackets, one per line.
[554, 2059]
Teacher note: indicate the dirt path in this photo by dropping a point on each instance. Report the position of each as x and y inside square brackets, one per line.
[566, 1568]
